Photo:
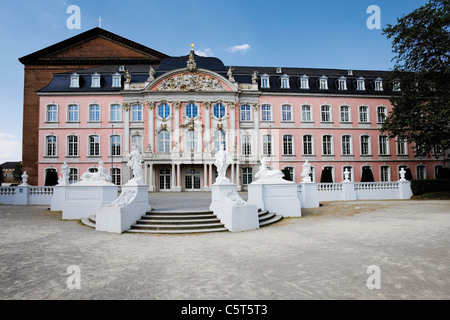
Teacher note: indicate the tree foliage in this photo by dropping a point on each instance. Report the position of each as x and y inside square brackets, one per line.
[421, 113]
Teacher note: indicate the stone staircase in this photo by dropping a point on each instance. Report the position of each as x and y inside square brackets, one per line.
[182, 222]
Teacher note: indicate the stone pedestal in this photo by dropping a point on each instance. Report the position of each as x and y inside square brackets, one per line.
[58, 198]
[309, 195]
[82, 201]
[405, 191]
[124, 211]
[232, 211]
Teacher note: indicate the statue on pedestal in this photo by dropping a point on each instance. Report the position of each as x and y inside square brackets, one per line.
[306, 172]
[223, 160]
[64, 179]
[134, 159]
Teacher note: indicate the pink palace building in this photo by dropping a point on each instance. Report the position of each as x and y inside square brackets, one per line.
[180, 112]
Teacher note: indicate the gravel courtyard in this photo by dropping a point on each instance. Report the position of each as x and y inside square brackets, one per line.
[323, 255]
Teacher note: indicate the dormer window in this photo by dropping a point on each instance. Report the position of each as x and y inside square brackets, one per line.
[284, 81]
[116, 80]
[342, 83]
[95, 80]
[74, 80]
[323, 83]
[360, 84]
[304, 82]
[396, 85]
[378, 84]
[265, 81]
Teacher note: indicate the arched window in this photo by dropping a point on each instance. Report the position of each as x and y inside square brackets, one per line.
[191, 110]
[219, 141]
[288, 146]
[164, 110]
[219, 111]
[136, 113]
[51, 146]
[94, 145]
[191, 141]
[164, 141]
[72, 146]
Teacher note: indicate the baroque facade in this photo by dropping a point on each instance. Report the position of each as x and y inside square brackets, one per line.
[183, 110]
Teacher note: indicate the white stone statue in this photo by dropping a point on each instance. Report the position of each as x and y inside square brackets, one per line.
[402, 174]
[306, 172]
[230, 74]
[124, 199]
[233, 197]
[255, 77]
[151, 74]
[223, 160]
[134, 159]
[265, 174]
[64, 179]
[24, 179]
[346, 175]
[99, 178]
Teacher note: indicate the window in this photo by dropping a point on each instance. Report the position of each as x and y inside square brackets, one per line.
[290, 175]
[385, 173]
[116, 80]
[191, 111]
[116, 176]
[288, 148]
[115, 145]
[346, 145]
[401, 147]
[94, 146]
[74, 80]
[265, 81]
[137, 140]
[365, 145]
[95, 80]
[284, 81]
[323, 83]
[245, 113]
[267, 145]
[164, 110]
[73, 175]
[246, 145]
[327, 145]
[164, 141]
[378, 84]
[94, 113]
[345, 114]
[286, 112]
[306, 113]
[219, 111]
[437, 168]
[396, 86]
[381, 114]
[421, 172]
[247, 175]
[360, 84]
[72, 146]
[307, 145]
[349, 169]
[191, 141]
[342, 83]
[266, 112]
[51, 146]
[136, 113]
[73, 113]
[363, 114]
[219, 141]
[52, 113]
[383, 145]
[115, 112]
[304, 82]
[325, 113]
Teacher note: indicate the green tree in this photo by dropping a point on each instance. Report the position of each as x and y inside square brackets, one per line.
[17, 172]
[421, 44]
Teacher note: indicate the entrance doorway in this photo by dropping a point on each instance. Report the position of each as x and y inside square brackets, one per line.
[192, 180]
[164, 179]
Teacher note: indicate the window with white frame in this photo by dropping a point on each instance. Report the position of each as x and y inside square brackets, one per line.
[115, 143]
[345, 113]
[288, 144]
[74, 80]
[137, 113]
[191, 141]
[307, 144]
[51, 146]
[116, 80]
[267, 145]
[364, 114]
[246, 145]
[95, 80]
[383, 145]
[286, 112]
[164, 110]
[94, 113]
[73, 113]
[378, 84]
[266, 112]
[381, 114]
[421, 172]
[365, 145]
[327, 145]
[290, 171]
[245, 111]
[137, 139]
[385, 173]
[346, 145]
[265, 81]
[191, 110]
[360, 84]
[115, 112]
[306, 113]
[325, 112]
[402, 147]
[164, 141]
[52, 113]
[247, 175]
[219, 141]
[323, 83]
[219, 111]
[284, 81]
[396, 85]
[304, 82]
[116, 176]
[94, 146]
[72, 146]
[73, 175]
[342, 83]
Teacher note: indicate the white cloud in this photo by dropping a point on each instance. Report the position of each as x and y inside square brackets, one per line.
[10, 148]
[240, 48]
[205, 53]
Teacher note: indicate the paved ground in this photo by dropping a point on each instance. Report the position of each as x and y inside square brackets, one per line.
[323, 255]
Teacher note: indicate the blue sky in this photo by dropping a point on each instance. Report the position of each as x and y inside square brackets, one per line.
[295, 33]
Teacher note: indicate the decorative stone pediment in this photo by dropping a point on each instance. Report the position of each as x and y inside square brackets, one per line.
[189, 81]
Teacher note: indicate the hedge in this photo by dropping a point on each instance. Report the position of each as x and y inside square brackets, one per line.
[419, 187]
